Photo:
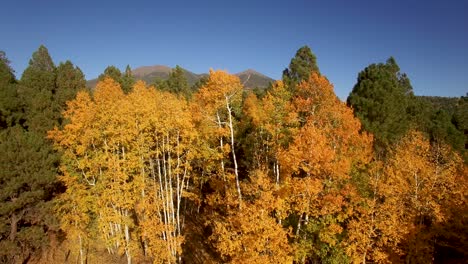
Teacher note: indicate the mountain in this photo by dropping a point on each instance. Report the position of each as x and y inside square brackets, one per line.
[250, 78]
[150, 73]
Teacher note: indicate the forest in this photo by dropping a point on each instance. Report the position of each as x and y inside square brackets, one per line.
[164, 172]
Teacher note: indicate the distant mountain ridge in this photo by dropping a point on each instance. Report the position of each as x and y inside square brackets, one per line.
[249, 78]
[145, 70]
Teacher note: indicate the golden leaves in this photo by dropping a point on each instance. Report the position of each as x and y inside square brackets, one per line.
[113, 147]
[308, 191]
[251, 235]
[220, 87]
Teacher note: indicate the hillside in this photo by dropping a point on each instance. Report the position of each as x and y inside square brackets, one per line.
[250, 78]
[448, 104]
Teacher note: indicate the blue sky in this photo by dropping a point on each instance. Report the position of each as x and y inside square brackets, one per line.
[429, 39]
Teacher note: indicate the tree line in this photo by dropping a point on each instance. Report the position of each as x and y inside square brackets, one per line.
[130, 172]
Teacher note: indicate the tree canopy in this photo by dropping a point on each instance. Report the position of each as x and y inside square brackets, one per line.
[381, 100]
[300, 67]
[218, 173]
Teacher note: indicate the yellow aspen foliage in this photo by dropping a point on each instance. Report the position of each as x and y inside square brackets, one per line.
[282, 178]
[376, 229]
[252, 235]
[317, 166]
[330, 140]
[422, 178]
[127, 169]
[217, 102]
[411, 193]
[274, 119]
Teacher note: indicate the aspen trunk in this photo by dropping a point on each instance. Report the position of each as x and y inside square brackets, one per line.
[127, 247]
[81, 250]
[221, 143]
[299, 225]
[236, 172]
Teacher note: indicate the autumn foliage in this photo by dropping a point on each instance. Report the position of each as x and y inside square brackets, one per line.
[218, 173]
[288, 177]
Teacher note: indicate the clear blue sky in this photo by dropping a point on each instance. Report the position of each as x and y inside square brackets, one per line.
[429, 39]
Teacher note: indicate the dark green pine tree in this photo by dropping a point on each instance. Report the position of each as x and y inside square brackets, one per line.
[381, 99]
[443, 130]
[10, 106]
[127, 80]
[450, 128]
[37, 91]
[199, 83]
[177, 82]
[160, 84]
[443, 119]
[28, 164]
[460, 120]
[27, 186]
[69, 81]
[300, 67]
[112, 72]
[6, 72]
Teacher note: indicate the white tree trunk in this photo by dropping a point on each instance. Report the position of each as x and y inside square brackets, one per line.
[236, 172]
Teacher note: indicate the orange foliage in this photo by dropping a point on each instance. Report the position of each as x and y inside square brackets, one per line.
[127, 161]
[409, 194]
[317, 164]
[251, 235]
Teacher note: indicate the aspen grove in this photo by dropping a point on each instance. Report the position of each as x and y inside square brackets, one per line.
[216, 173]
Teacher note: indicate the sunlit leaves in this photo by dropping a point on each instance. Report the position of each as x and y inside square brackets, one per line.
[126, 161]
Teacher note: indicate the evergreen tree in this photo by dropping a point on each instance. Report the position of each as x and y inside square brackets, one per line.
[160, 84]
[127, 80]
[28, 164]
[70, 80]
[381, 100]
[443, 130]
[112, 72]
[177, 82]
[442, 119]
[460, 120]
[6, 72]
[27, 183]
[198, 84]
[300, 68]
[37, 91]
[10, 108]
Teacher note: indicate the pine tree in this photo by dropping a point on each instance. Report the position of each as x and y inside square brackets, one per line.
[70, 80]
[381, 100]
[127, 80]
[29, 163]
[37, 92]
[6, 72]
[27, 185]
[10, 105]
[300, 68]
[177, 82]
[112, 72]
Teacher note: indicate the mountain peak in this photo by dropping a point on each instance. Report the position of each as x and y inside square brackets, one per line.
[145, 70]
[250, 78]
[250, 71]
